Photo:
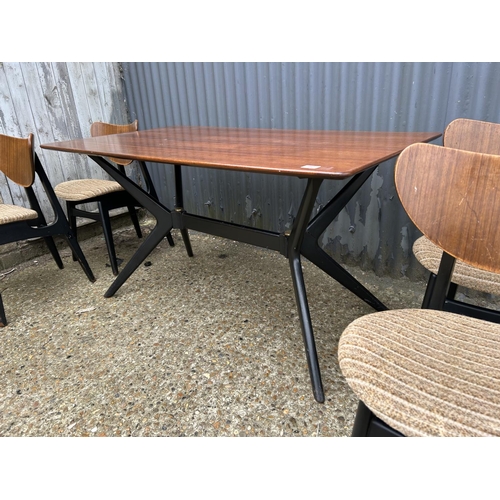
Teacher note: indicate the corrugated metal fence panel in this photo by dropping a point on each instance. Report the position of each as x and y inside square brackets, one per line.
[58, 101]
[373, 230]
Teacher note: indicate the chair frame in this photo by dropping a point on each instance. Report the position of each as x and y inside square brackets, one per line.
[366, 423]
[38, 228]
[110, 201]
[479, 137]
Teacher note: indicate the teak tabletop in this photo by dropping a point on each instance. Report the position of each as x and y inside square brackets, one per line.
[303, 153]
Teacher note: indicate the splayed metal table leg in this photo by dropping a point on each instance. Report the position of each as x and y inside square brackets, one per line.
[314, 253]
[179, 207]
[163, 226]
[294, 244]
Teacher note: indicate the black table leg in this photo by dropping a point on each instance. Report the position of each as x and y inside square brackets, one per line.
[312, 251]
[294, 250]
[162, 215]
[179, 207]
[154, 238]
[303, 240]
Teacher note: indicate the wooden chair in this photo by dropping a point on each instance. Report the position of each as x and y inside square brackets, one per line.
[108, 194]
[426, 372]
[479, 137]
[20, 164]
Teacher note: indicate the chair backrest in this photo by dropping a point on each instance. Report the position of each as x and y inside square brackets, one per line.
[473, 135]
[16, 159]
[453, 197]
[102, 128]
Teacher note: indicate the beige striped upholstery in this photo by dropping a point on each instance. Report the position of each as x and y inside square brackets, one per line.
[426, 372]
[83, 189]
[13, 213]
[429, 255]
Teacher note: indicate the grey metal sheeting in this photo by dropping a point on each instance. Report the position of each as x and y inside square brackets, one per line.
[373, 231]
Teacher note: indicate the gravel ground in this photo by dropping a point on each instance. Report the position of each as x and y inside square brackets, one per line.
[202, 346]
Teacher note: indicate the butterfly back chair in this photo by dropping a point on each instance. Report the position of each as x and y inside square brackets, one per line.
[424, 372]
[20, 164]
[108, 194]
[479, 137]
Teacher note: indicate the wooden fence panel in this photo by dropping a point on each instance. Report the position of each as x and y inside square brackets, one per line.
[58, 101]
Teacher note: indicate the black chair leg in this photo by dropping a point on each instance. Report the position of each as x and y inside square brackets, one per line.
[428, 291]
[366, 424]
[187, 243]
[72, 223]
[361, 421]
[440, 288]
[3, 319]
[135, 220]
[108, 236]
[170, 239]
[53, 250]
[452, 291]
[80, 257]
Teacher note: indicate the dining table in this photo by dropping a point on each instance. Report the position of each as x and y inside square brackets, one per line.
[314, 155]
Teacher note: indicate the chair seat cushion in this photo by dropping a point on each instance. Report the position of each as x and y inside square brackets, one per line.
[84, 189]
[13, 213]
[425, 372]
[429, 255]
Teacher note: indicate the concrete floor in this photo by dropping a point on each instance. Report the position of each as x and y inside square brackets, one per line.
[202, 346]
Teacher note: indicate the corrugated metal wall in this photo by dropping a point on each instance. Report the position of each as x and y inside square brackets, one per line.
[55, 102]
[373, 230]
[58, 101]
